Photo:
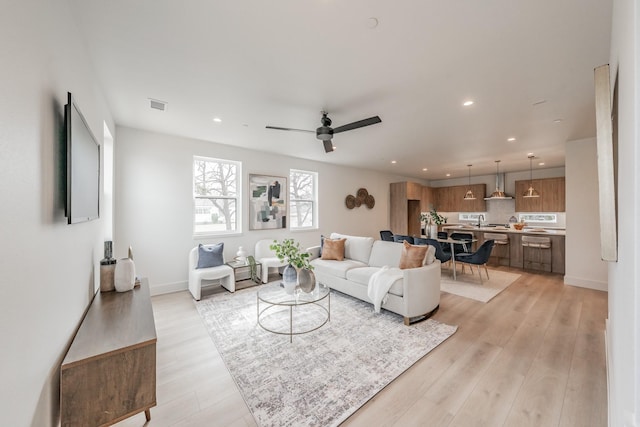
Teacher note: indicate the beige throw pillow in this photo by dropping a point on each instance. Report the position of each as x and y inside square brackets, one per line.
[412, 255]
[333, 249]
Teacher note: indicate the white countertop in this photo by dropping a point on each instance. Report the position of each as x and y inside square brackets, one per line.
[526, 230]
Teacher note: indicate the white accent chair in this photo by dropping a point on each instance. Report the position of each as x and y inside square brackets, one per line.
[197, 275]
[267, 257]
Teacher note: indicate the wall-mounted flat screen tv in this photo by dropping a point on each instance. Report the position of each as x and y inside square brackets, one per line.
[83, 167]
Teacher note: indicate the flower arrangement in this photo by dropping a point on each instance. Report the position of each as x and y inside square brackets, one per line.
[289, 250]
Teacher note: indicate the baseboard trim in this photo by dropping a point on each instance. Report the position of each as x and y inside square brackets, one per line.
[586, 283]
[168, 288]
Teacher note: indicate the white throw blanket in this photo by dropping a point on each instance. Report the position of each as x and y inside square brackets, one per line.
[379, 284]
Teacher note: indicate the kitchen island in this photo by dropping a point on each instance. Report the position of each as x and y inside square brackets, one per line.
[515, 259]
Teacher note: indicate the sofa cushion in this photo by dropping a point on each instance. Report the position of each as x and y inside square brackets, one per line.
[356, 247]
[385, 253]
[431, 255]
[412, 256]
[333, 249]
[335, 268]
[362, 276]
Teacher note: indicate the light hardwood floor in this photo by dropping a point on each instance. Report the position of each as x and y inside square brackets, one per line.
[532, 356]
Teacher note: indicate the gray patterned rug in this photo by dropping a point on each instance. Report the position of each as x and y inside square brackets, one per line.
[322, 377]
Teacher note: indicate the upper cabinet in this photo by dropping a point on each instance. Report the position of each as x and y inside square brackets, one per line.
[451, 199]
[552, 195]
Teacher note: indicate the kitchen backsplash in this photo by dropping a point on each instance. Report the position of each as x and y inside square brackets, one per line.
[499, 212]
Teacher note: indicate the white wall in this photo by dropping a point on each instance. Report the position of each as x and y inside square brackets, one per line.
[583, 266]
[624, 278]
[154, 207]
[48, 269]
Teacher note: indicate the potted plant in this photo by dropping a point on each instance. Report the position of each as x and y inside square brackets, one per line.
[298, 271]
[434, 219]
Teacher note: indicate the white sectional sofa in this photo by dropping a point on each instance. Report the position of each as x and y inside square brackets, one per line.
[415, 295]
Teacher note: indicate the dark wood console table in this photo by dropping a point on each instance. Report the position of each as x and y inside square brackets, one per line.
[109, 372]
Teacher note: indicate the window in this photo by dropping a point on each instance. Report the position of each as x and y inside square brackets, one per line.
[216, 196]
[303, 198]
[539, 217]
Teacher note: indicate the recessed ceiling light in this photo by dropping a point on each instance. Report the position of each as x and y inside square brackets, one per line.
[511, 139]
[217, 119]
[393, 162]
[557, 121]
[448, 174]
[529, 154]
[424, 169]
[467, 103]
[372, 23]
[541, 164]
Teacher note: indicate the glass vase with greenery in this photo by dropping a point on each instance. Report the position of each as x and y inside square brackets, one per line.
[288, 250]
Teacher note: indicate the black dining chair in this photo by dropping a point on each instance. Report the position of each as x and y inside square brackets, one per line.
[441, 255]
[386, 235]
[461, 248]
[479, 257]
[400, 238]
[442, 234]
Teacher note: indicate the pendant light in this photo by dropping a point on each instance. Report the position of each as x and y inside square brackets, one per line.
[531, 192]
[469, 195]
[498, 193]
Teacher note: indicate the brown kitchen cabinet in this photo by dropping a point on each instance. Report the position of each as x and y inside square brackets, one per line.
[552, 195]
[451, 199]
[405, 204]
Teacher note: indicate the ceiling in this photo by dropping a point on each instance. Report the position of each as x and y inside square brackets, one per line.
[527, 65]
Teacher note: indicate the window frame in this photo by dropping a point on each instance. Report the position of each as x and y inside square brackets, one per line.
[314, 200]
[237, 198]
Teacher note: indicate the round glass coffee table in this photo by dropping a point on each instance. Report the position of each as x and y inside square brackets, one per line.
[295, 313]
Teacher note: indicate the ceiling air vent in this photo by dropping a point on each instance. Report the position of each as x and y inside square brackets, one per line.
[158, 105]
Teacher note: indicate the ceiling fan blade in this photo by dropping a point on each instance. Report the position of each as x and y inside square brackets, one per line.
[328, 146]
[359, 124]
[290, 129]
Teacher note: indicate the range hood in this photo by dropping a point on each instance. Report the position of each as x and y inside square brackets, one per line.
[499, 194]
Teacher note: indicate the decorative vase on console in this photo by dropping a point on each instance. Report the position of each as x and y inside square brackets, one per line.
[125, 274]
[107, 268]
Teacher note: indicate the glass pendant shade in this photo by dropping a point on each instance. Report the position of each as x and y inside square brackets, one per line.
[531, 192]
[469, 195]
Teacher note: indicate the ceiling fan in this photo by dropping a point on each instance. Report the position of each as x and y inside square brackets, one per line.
[325, 132]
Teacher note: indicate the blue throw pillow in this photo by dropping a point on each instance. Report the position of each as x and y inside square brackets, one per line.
[210, 255]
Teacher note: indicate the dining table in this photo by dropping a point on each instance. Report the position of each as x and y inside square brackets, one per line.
[452, 242]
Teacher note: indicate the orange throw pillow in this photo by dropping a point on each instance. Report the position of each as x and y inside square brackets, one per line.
[333, 249]
[412, 255]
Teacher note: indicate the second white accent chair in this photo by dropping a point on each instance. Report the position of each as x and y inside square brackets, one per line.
[267, 257]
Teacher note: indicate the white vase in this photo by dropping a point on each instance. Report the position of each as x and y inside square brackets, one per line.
[125, 275]
[241, 255]
[433, 231]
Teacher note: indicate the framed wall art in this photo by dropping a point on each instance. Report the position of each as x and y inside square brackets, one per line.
[267, 202]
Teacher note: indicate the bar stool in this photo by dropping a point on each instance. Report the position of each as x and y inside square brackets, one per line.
[501, 243]
[540, 245]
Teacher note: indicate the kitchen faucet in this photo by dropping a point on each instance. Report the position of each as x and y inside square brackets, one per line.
[480, 216]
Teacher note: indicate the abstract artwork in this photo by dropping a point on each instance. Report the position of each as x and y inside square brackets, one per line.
[267, 202]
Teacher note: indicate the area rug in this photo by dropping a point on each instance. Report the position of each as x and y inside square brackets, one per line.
[322, 377]
[469, 286]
